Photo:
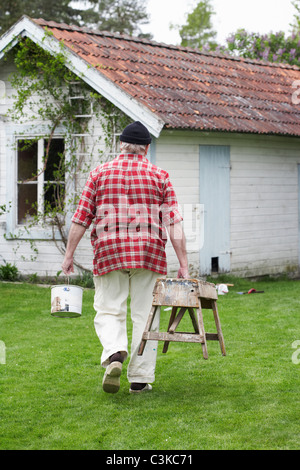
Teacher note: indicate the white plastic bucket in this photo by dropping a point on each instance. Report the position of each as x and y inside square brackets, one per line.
[66, 301]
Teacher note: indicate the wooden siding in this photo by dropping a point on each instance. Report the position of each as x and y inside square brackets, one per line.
[264, 196]
[264, 207]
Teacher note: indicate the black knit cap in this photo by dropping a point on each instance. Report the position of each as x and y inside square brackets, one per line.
[136, 133]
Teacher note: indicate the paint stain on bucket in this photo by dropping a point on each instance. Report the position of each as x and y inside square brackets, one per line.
[66, 301]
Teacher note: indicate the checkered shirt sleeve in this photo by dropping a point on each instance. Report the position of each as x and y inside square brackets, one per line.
[86, 209]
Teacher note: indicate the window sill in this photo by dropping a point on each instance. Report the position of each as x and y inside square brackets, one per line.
[35, 233]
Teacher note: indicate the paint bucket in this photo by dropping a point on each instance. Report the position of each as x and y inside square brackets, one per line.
[66, 301]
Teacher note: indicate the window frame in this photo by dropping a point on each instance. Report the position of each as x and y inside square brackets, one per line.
[40, 181]
[20, 231]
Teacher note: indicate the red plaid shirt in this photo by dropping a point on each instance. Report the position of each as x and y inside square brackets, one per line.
[131, 201]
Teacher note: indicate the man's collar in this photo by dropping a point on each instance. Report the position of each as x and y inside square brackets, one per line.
[131, 156]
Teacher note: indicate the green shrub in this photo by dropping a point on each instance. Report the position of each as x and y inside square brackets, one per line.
[84, 279]
[9, 272]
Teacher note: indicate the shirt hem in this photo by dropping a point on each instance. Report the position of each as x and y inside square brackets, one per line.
[162, 272]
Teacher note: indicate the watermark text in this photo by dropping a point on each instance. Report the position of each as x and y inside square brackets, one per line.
[124, 220]
[2, 353]
[296, 354]
[296, 94]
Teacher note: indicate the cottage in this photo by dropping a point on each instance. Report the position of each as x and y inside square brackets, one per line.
[226, 129]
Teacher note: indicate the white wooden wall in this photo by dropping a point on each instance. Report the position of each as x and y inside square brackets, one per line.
[264, 202]
[264, 198]
[5, 102]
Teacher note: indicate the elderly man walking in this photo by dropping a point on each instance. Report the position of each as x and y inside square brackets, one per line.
[132, 204]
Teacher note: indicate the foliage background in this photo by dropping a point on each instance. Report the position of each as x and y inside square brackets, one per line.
[122, 16]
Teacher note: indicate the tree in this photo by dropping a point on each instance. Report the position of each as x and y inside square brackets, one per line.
[56, 10]
[272, 47]
[122, 16]
[198, 32]
[296, 25]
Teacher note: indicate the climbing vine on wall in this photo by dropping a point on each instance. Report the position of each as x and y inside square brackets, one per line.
[48, 91]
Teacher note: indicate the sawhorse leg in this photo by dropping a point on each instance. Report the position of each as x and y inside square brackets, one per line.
[173, 323]
[202, 331]
[218, 326]
[148, 327]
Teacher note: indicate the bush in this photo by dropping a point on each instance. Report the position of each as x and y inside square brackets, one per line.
[9, 272]
[84, 280]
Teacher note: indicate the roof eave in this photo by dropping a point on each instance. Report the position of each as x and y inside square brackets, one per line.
[25, 27]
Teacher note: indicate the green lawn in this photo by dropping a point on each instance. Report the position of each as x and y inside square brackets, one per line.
[50, 385]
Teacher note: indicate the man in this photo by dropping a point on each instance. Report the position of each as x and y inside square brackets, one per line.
[132, 203]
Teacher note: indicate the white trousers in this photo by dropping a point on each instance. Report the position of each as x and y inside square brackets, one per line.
[110, 303]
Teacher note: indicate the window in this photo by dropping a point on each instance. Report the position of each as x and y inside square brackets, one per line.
[40, 183]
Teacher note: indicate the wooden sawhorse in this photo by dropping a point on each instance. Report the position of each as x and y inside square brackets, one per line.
[184, 295]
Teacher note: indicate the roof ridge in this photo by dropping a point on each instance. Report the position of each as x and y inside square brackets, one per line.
[87, 30]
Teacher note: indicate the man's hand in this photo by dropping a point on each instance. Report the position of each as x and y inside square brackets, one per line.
[177, 238]
[67, 265]
[183, 273]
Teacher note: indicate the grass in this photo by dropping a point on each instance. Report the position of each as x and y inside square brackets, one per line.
[51, 395]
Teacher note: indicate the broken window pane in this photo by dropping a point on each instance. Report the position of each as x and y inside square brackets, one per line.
[54, 196]
[55, 165]
[27, 159]
[27, 202]
[54, 172]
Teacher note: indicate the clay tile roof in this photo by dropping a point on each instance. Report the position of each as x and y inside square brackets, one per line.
[190, 89]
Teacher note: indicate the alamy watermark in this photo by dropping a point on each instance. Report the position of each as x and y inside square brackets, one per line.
[296, 94]
[296, 354]
[2, 353]
[124, 220]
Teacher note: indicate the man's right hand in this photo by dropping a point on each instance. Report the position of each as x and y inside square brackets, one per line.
[177, 238]
[183, 273]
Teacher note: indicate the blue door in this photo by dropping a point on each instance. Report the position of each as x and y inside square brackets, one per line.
[215, 196]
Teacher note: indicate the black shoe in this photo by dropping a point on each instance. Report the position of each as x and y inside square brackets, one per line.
[139, 388]
[117, 357]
